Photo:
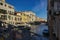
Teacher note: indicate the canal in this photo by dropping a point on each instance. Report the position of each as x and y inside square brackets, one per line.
[39, 30]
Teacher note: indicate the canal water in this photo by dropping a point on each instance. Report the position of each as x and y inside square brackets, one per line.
[39, 30]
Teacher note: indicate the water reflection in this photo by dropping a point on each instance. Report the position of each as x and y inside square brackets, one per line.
[39, 30]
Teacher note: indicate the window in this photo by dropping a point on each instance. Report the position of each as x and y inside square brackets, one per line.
[3, 11]
[12, 18]
[52, 3]
[56, 13]
[20, 19]
[15, 18]
[9, 17]
[50, 12]
[21, 13]
[1, 3]
[10, 12]
[4, 17]
[5, 5]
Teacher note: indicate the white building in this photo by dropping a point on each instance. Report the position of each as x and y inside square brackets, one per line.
[6, 8]
[5, 12]
[2, 0]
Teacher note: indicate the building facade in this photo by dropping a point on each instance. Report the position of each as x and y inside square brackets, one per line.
[53, 19]
[2, 0]
[26, 16]
[7, 14]
[23, 17]
[31, 15]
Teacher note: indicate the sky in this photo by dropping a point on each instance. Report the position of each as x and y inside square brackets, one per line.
[39, 7]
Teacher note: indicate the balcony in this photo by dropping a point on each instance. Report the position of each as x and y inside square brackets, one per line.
[3, 11]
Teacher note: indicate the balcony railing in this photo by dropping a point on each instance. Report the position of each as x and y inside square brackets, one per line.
[3, 11]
